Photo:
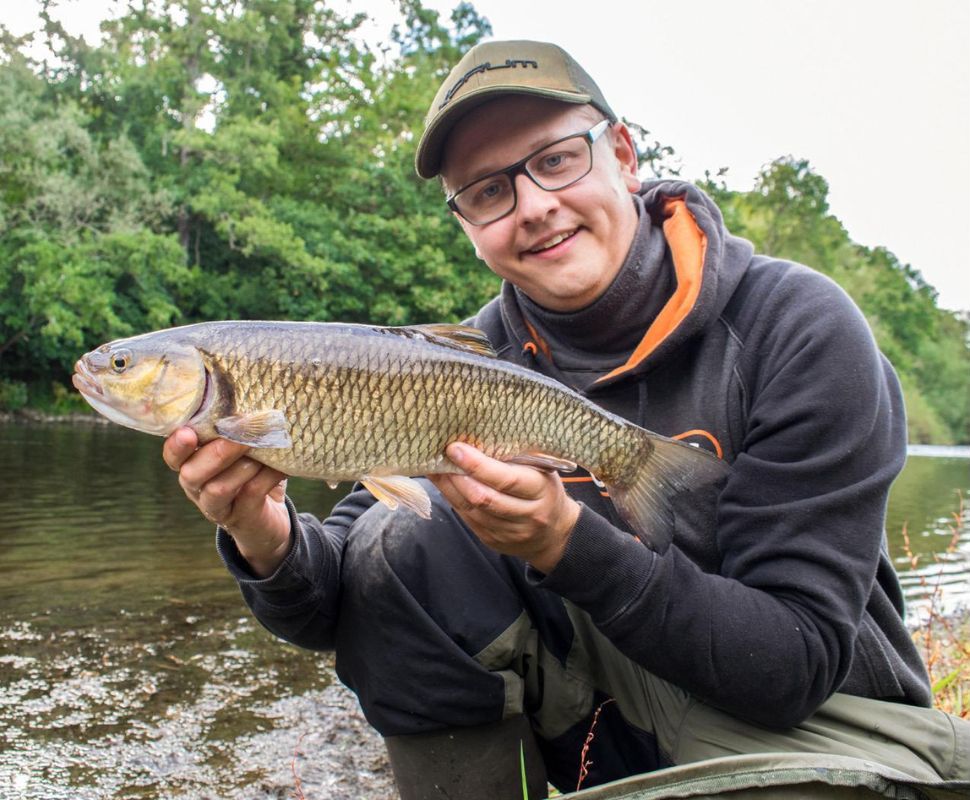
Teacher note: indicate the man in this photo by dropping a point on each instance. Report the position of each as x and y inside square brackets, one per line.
[773, 622]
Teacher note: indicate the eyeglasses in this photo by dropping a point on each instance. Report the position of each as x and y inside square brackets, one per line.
[553, 167]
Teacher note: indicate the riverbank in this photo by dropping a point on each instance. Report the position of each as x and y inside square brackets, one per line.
[33, 415]
[944, 643]
[940, 627]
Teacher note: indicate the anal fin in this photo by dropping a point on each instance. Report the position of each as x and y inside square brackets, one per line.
[399, 490]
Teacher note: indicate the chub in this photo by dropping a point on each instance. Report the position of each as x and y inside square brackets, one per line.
[340, 402]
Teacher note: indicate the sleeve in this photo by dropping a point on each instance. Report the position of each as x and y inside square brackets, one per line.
[799, 526]
[299, 602]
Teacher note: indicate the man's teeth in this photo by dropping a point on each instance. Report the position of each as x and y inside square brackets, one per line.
[552, 242]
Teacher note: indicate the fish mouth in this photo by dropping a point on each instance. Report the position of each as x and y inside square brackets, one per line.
[85, 382]
[90, 388]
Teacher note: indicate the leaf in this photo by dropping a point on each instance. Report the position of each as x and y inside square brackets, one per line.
[945, 682]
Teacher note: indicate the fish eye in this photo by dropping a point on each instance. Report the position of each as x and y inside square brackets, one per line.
[120, 360]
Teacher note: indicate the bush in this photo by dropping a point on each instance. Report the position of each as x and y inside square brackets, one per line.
[64, 400]
[13, 395]
[924, 425]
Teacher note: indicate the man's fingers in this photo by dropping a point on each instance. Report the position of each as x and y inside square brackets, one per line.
[240, 491]
[220, 491]
[449, 487]
[508, 479]
[513, 509]
[278, 492]
[267, 481]
[216, 497]
[178, 447]
[470, 497]
[207, 462]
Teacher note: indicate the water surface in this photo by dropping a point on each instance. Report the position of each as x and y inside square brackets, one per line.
[130, 668]
[930, 506]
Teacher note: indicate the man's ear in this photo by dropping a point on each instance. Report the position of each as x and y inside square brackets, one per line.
[626, 156]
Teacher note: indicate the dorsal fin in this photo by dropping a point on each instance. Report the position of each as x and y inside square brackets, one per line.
[457, 337]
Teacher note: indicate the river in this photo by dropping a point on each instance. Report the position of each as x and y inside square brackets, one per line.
[129, 667]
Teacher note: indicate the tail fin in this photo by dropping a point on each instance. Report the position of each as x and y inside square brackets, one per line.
[668, 468]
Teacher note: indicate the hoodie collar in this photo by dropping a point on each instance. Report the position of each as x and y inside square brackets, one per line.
[662, 301]
[600, 336]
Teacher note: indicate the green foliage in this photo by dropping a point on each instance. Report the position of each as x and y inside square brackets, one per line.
[786, 215]
[79, 259]
[57, 297]
[217, 159]
[13, 395]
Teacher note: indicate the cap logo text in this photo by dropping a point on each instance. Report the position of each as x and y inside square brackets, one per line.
[510, 63]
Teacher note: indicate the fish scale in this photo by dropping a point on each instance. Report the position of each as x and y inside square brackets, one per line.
[345, 402]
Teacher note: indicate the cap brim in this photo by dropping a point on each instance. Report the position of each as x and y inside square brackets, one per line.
[427, 161]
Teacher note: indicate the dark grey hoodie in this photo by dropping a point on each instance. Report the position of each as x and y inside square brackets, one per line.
[778, 590]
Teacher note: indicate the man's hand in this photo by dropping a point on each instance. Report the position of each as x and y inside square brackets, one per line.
[242, 495]
[516, 510]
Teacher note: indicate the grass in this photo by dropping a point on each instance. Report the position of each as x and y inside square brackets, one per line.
[944, 640]
[525, 786]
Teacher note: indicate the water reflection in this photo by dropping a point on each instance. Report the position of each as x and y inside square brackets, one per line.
[930, 502]
[130, 668]
[128, 664]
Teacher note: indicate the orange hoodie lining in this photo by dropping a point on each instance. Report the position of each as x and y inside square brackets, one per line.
[688, 246]
[536, 338]
[706, 434]
[584, 479]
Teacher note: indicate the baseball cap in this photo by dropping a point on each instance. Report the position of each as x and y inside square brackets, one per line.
[492, 69]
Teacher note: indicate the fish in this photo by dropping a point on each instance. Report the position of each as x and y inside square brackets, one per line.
[351, 402]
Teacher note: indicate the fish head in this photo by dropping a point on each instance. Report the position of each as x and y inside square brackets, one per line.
[151, 383]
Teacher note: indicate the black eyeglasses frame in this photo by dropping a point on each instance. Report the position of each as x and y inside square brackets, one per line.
[519, 168]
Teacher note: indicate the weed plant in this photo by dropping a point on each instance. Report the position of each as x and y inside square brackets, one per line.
[943, 639]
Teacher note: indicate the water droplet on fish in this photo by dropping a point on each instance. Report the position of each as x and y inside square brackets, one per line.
[333, 484]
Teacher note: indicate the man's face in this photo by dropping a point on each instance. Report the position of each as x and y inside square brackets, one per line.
[562, 248]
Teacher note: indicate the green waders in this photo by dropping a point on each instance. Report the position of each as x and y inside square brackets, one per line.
[851, 747]
[778, 776]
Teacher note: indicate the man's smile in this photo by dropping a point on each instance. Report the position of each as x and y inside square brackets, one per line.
[552, 241]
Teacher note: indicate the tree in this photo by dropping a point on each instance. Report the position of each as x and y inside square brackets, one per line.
[787, 215]
[220, 159]
[78, 258]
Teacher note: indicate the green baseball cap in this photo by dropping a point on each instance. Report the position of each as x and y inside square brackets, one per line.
[491, 69]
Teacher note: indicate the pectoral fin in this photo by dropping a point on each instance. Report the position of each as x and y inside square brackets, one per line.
[544, 461]
[395, 490]
[259, 429]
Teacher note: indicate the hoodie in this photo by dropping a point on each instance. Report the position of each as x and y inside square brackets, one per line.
[778, 589]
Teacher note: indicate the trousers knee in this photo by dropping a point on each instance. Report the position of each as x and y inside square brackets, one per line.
[440, 564]
[419, 599]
